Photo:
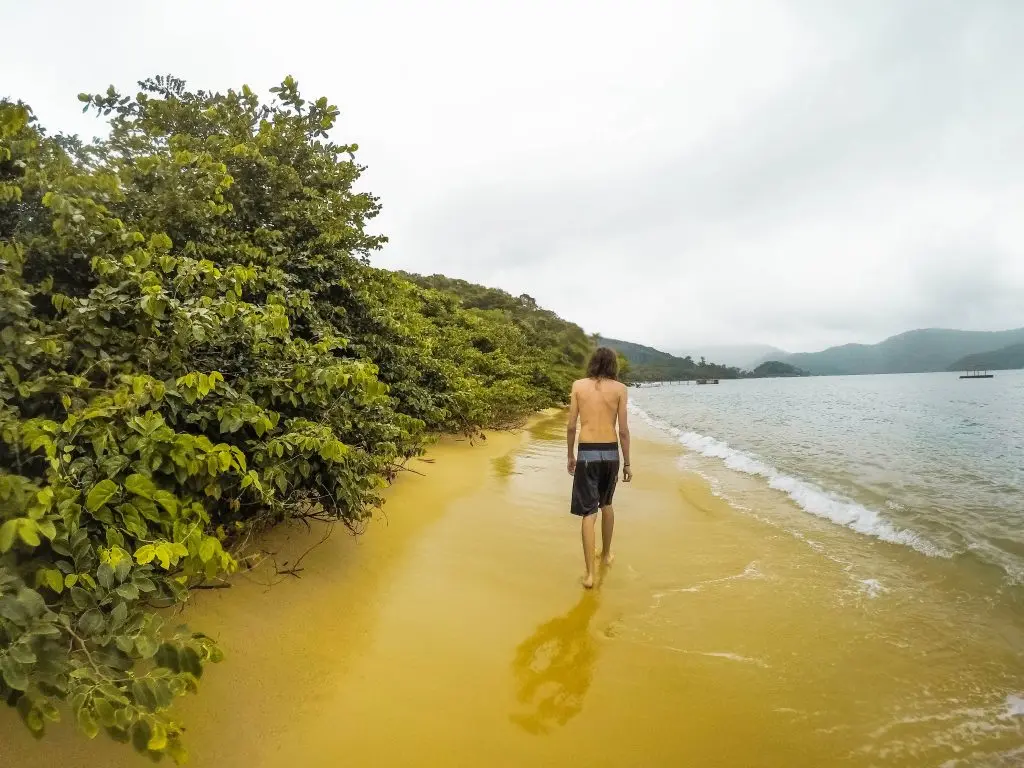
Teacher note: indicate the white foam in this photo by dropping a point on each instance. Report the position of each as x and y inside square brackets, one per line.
[716, 655]
[807, 496]
[873, 587]
[1014, 705]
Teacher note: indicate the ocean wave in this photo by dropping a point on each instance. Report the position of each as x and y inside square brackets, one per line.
[808, 496]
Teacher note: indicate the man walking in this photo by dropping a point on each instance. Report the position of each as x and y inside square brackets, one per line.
[598, 402]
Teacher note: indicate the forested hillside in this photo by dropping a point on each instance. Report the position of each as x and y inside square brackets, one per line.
[1006, 358]
[649, 364]
[928, 349]
[194, 347]
[560, 348]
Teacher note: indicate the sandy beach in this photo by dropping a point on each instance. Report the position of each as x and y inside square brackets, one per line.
[455, 633]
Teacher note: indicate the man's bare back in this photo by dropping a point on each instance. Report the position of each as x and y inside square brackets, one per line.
[599, 402]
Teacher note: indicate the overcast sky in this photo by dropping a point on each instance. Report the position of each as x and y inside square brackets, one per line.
[680, 173]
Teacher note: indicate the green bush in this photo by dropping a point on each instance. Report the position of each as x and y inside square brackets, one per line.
[194, 347]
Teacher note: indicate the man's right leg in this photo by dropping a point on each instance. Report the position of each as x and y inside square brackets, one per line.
[588, 548]
[607, 528]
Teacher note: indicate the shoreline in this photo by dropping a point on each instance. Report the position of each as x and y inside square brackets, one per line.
[455, 631]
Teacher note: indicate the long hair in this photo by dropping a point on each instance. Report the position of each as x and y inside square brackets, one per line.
[604, 364]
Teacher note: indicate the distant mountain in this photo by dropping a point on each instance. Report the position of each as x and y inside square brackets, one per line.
[745, 356]
[773, 368]
[1004, 359]
[649, 364]
[929, 349]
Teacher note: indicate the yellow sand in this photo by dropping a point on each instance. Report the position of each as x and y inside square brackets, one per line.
[455, 633]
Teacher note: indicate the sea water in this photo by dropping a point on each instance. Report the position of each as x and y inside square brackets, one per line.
[926, 461]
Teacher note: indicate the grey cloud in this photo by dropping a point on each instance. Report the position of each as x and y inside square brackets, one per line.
[886, 108]
[573, 152]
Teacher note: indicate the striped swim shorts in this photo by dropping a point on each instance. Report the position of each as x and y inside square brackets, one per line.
[597, 472]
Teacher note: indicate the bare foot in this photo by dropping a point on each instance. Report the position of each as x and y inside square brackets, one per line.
[607, 559]
[588, 581]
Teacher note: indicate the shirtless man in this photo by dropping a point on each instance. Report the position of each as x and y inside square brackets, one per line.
[598, 402]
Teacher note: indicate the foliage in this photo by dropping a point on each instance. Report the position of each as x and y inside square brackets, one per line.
[625, 369]
[649, 364]
[194, 347]
[559, 349]
[774, 368]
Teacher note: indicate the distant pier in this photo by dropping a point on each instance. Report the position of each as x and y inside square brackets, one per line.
[977, 374]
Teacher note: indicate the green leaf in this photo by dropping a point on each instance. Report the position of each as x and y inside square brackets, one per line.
[47, 528]
[163, 554]
[7, 533]
[33, 602]
[158, 738]
[13, 673]
[81, 597]
[91, 622]
[50, 711]
[167, 656]
[105, 575]
[87, 723]
[208, 549]
[140, 735]
[145, 554]
[177, 753]
[146, 646]
[34, 721]
[163, 693]
[104, 711]
[13, 610]
[22, 653]
[100, 494]
[148, 510]
[140, 485]
[119, 614]
[54, 580]
[128, 592]
[143, 694]
[123, 568]
[190, 662]
[28, 530]
[168, 501]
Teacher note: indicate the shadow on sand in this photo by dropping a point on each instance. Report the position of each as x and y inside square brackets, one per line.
[554, 667]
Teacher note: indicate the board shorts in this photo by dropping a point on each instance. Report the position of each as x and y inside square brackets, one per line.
[597, 472]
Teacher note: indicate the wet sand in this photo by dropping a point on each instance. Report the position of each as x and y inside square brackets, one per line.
[455, 633]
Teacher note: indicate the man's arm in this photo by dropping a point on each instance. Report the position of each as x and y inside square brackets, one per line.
[627, 473]
[570, 430]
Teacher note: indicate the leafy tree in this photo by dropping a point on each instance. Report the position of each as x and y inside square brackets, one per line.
[774, 368]
[555, 349]
[194, 347]
[625, 369]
